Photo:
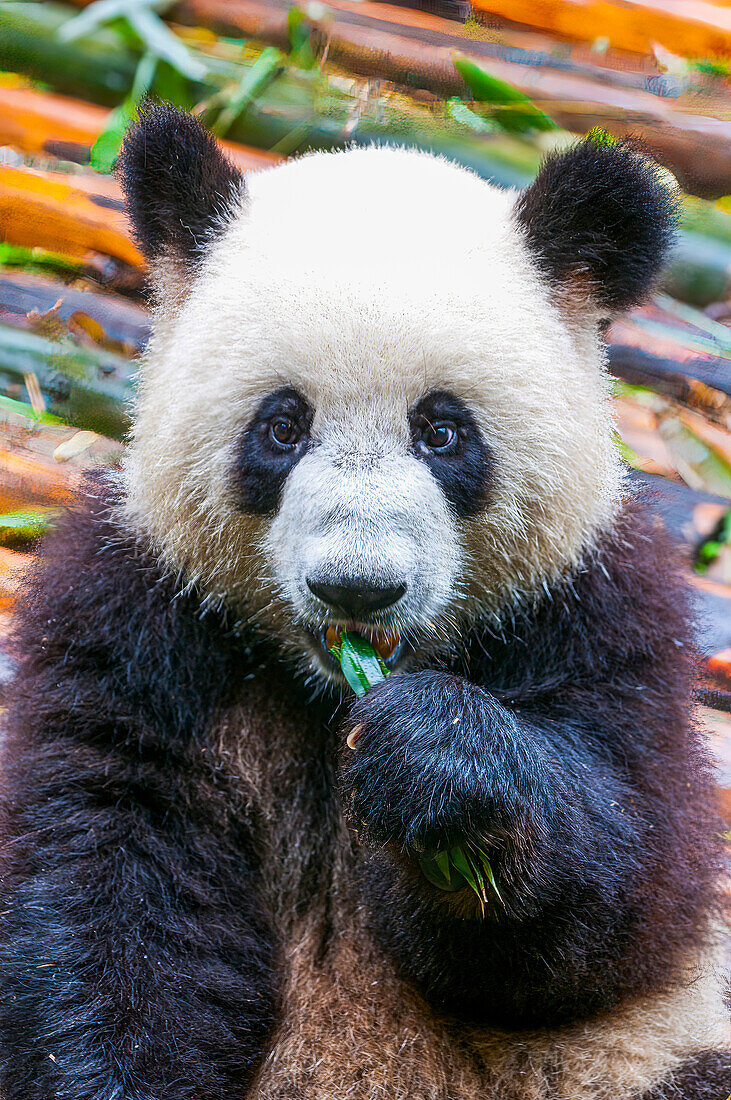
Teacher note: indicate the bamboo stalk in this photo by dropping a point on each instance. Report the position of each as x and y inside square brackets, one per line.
[32, 481]
[123, 326]
[673, 378]
[39, 122]
[700, 29]
[85, 387]
[75, 215]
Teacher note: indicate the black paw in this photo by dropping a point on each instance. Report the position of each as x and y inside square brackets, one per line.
[434, 761]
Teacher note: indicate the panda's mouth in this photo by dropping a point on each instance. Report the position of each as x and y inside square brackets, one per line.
[388, 644]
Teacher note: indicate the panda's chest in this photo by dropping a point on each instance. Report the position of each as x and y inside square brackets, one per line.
[280, 756]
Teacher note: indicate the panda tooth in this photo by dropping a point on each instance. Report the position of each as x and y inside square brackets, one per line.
[385, 643]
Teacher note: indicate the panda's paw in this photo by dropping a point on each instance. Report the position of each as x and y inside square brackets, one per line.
[417, 767]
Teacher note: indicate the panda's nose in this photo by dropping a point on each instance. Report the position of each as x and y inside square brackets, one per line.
[355, 597]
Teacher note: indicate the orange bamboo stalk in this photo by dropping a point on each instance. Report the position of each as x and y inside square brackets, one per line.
[33, 480]
[694, 28]
[12, 568]
[47, 210]
[720, 663]
[38, 122]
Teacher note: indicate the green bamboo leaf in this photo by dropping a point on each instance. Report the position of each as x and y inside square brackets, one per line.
[487, 867]
[442, 861]
[513, 109]
[353, 672]
[475, 865]
[160, 41]
[362, 655]
[103, 12]
[22, 408]
[267, 67]
[437, 869]
[485, 87]
[459, 859]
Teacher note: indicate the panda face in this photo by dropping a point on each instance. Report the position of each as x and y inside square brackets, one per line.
[365, 407]
[362, 535]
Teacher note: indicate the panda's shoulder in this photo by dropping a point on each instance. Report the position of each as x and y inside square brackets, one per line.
[101, 617]
[93, 575]
[633, 579]
[623, 614]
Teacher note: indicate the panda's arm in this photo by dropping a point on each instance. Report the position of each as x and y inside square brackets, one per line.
[135, 959]
[439, 761]
[567, 755]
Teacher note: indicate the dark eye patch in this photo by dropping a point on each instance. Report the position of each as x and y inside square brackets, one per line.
[445, 436]
[272, 444]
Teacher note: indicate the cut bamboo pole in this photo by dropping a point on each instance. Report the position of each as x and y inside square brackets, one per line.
[40, 122]
[696, 28]
[74, 215]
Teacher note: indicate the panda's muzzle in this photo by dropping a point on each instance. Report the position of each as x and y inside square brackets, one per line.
[353, 602]
[356, 598]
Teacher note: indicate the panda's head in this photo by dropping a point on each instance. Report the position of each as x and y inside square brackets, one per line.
[376, 393]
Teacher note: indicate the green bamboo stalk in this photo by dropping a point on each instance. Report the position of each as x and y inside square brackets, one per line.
[87, 388]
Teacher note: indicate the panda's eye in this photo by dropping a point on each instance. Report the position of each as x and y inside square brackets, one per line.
[446, 437]
[438, 437]
[284, 433]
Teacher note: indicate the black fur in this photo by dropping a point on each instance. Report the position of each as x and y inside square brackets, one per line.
[135, 945]
[706, 1077]
[262, 467]
[180, 188]
[136, 960]
[466, 470]
[565, 744]
[600, 212]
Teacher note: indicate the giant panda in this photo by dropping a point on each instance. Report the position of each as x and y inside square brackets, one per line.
[375, 398]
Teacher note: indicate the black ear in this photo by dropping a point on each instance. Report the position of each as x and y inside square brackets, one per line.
[178, 184]
[600, 212]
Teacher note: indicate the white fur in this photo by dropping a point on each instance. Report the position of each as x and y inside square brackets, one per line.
[365, 279]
